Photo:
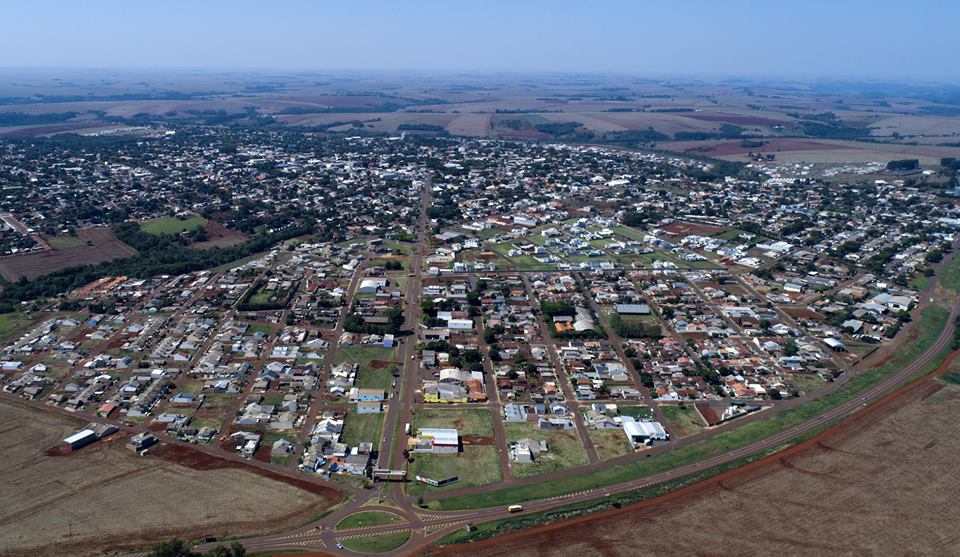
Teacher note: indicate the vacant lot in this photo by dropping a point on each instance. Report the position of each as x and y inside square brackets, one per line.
[375, 364]
[475, 465]
[681, 420]
[563, 449]
[171, 225]
[98, 245]
[468, 421]
[886, 484]
[104, 497]
[219, 236]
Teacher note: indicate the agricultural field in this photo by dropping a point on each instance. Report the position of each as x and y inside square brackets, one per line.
[871, 465]
[106, 477]
[99, 245]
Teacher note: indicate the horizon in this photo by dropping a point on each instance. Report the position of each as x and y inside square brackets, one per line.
[739, 39]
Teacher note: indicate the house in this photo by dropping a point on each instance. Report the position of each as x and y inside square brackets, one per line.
[436, 440]
[141, 441]
[281, 448]
[373, 407]
[358, 394]
[526, 450]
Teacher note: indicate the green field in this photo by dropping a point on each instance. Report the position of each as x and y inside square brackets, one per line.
[563, 449]
[476, 465]
[928, 327]
[367, 518]
[682, 420]
[64, 242]
[380, 543]
[950, 275]
[171, 225]
[639, 411]
[362, 428]
[368, 376]
[13, 324]
[468, 421]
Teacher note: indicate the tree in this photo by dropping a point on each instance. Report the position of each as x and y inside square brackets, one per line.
[172, 548]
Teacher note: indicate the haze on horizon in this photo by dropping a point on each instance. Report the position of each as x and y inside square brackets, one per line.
[853, 39]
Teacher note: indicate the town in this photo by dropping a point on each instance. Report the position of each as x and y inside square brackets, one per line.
[420, 315]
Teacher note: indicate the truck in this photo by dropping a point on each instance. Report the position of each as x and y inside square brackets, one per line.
[515, 508]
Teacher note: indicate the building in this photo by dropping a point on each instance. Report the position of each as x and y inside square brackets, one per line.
[639, 433]
[358, 394]
[436, 440]
[373, 407]
[632, 309]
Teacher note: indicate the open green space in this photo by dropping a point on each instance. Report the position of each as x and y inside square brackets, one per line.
[474, 465]
[367, 518]
[361, 428]
[380, 543]
[629, 233]
[526, 520]
[64, 242]
[370, 375]
[13, 324]
[563, 449]
[639, 411]
[950, 275]
[808, 382]
[927, 328]
[171, 225]
[610, 443]
[467, 421]
[682, 420]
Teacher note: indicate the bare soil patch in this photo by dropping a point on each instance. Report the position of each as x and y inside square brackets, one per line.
[105, 498]
[883, 483]
[220, 236]
[101, 245]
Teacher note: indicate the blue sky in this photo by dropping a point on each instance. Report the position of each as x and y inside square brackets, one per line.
[793, 38]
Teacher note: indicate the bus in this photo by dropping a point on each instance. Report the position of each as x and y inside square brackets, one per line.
[515, 508]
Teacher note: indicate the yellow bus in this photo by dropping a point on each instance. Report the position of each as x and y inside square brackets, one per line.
[515, 508]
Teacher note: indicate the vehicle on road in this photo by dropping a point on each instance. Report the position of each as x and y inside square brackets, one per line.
[515, 508]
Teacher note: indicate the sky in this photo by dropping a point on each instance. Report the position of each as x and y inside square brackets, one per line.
[879, 39]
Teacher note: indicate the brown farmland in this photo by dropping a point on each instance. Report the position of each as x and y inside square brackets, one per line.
[102, 245]
[219, 236]
[883, 483]
[105, 498]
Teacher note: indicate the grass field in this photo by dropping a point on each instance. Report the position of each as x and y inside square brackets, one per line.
[369, 376]
[13, 324]
[681, 421]
[379, 543]
[871, 465]
[610, 443]
[361, 428]
[924, 333]
[563, 449]
[638, 411]
[367, 518]
[476, 465]
[171, 225]
[64, 242]
[468, 421]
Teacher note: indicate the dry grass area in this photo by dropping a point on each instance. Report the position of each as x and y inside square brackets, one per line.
[886, 484]
[104, 497]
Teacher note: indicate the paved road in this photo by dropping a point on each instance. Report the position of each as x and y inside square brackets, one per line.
[428, 526]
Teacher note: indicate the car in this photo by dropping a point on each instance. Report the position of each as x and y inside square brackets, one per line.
[339, 545]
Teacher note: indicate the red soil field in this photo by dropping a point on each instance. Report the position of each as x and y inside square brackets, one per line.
[102, 246]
